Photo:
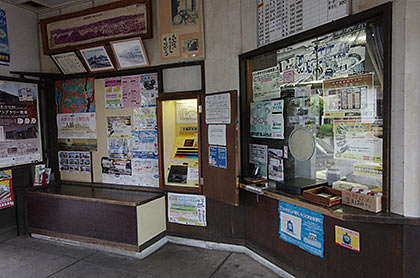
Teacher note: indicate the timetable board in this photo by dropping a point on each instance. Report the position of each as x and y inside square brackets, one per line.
[279, 19]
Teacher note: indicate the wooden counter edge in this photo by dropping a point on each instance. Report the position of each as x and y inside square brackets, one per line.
[96, 200]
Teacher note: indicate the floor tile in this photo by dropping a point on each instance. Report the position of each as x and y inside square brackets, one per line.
[242, 266]
[176, 261]
[20, 262]
[116, 261]
[89, 270]
[6, 234]
[60, 249]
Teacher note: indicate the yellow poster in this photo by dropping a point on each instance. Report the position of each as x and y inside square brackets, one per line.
[368, 170]
[6, 193]
[347, 238]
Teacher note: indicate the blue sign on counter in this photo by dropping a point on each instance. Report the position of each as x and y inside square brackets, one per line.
[302, 227]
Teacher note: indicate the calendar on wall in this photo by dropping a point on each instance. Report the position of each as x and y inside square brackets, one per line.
[278, 19]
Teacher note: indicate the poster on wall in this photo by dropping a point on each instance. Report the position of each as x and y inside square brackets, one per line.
[144, 144]
[119, 147]
[355, 140]
[218, 156]
[187, 209]
[113, 93]
[4, 40]
[20, 138]
[266, 84]
[146, 172]
[76, 125]
[119, 126]
[302, 227]
[145, 118]
[180, 29]
[6, 192]
[74, 161]
[148, 89]
[218, 109]
[267, 119]
[116, 170]
[350, 97]
[131, 91]
[347, 238]
[75, 95]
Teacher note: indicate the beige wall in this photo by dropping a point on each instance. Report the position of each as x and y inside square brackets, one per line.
[23, 40]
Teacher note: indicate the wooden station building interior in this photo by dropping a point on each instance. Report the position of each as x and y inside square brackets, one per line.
[216, 121]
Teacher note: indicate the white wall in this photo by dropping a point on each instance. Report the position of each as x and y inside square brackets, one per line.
[22, 28]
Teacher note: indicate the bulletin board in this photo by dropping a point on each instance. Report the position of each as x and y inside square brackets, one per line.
[125, 113]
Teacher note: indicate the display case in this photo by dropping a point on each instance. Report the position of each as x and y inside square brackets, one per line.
[314, 110]
[180, 141]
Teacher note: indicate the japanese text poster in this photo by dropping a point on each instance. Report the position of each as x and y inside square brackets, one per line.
[20, 138]
[187, 209]
[302, 227]
[6, 192]
[267, 119]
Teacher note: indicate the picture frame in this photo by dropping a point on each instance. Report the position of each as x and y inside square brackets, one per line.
[68, 63]
[181, 33]
[96, 59]
[97, 25]
[129, 53]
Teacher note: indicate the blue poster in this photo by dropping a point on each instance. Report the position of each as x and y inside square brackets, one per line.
[4, 40]
[217, 156]
[302, 227]
[144, 144]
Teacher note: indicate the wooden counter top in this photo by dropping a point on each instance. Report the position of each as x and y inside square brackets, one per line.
[96, 194]
[340, 212]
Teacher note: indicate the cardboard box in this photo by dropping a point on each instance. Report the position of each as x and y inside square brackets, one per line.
[362, 201]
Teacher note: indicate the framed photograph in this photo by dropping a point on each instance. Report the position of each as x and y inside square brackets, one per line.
[101, 24]
[68, 63]
[129, 53]
[181, 30]
[96, 59]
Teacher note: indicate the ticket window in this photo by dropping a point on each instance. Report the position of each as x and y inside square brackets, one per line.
[180, 142]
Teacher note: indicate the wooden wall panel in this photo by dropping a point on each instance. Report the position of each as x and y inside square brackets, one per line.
[380, 255]
[262, 230]
[411, 251]
[96, 220]
[224, 223]
[380, 251]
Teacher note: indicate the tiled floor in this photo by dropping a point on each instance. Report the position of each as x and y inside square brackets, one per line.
[30, 257]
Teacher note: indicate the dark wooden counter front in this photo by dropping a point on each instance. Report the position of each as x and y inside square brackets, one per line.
[94, 215]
